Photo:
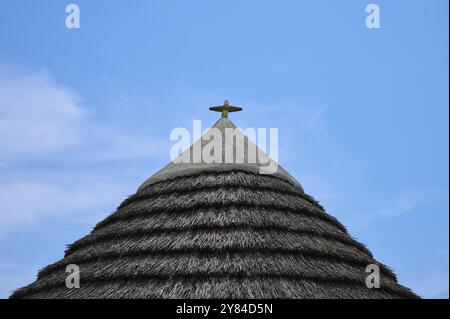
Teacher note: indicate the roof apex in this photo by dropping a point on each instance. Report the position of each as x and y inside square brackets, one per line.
[249, 162]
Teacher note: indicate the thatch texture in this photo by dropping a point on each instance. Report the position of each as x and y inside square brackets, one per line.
[232, 234]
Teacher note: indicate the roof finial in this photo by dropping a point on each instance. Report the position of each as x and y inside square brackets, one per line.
[225, 109]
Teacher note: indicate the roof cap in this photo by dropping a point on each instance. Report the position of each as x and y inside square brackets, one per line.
[251, 159]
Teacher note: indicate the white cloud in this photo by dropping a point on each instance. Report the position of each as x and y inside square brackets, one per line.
[44, 120]
[29, 202]
[40, 117]
[36, 114]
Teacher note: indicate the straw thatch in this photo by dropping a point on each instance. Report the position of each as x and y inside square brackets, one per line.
[217, 235]
[217, 231]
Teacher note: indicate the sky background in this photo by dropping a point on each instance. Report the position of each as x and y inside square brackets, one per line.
[86, 114]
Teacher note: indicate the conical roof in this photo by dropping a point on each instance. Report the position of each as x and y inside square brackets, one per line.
[198, 230]
[244, 159]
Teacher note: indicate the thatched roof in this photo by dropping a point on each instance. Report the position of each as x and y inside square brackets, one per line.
[217, 233]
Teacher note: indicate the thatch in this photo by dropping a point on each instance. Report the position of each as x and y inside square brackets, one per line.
[232, 234]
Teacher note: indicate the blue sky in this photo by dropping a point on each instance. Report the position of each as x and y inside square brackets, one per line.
[85, 114]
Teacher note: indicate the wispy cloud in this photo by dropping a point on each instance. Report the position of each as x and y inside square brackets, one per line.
[363, 212]
[36, 115]
[399, 206]
[40, 117]
[42, 122]
[25, 203]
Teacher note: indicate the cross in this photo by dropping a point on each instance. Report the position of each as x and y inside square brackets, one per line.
[225, 109]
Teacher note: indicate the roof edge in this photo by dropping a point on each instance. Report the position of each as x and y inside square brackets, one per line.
[216, 168]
